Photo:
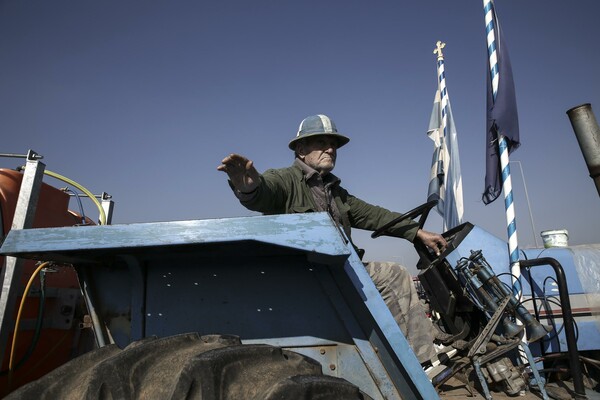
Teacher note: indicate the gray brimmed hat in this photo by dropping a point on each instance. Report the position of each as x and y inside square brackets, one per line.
[317, 125]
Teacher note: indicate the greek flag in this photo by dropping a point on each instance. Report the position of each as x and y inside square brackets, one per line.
[445, 183]
[502, 117]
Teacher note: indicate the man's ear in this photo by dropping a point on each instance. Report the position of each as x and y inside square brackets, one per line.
[300, 150]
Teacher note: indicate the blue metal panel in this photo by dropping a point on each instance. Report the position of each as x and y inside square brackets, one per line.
[249, 297]
[567, 259]
[581, 265]
[382, 330]
[309, 233]
[290, 280]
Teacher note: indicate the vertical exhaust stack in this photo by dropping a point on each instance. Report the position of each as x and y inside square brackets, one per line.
[587, 132]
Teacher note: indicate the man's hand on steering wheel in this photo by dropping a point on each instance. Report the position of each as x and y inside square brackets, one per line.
[434, 241]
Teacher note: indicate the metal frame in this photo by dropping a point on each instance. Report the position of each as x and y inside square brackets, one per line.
[13, 269]
[124, 255]
[25, 209]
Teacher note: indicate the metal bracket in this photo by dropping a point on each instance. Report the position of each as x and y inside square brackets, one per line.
[108, 205]
[23, 219]
[60, 308]
[483, 339]
[534, 371]
[484, 385]
[31, 155]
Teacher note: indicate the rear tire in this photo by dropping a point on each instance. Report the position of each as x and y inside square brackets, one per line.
[190, 366]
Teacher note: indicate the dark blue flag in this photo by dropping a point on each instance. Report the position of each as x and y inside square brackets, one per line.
[502, 117]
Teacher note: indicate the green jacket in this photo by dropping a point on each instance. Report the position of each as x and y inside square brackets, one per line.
[285, 191]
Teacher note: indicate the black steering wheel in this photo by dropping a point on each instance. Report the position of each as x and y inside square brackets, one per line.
[423, 211]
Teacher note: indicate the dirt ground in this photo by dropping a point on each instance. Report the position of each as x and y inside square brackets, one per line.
[455, 389]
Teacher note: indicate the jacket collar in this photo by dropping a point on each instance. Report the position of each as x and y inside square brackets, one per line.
[309, 173]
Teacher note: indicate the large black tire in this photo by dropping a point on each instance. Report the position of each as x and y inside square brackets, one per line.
[189, 366]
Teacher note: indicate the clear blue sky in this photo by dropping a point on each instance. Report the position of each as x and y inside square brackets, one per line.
[142, 99]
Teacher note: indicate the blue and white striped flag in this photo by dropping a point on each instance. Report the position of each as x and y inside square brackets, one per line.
[502, 117]
[445, 184]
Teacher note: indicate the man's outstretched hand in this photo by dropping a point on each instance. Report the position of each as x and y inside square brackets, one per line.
[242, 174]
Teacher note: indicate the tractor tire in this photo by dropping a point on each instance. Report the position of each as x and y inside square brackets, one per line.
[189, 366]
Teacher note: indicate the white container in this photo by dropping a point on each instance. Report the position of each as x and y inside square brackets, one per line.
[555, 238]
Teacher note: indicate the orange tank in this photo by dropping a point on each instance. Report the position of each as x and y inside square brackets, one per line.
[61, 337]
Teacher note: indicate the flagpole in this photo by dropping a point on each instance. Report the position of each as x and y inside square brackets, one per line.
[445, 178]
[511, 224]
[443, 112]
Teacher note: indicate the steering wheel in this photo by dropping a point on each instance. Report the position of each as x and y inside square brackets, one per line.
[423, 211]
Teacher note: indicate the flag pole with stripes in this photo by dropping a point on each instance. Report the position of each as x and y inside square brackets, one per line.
[445, 183]
[495, 76]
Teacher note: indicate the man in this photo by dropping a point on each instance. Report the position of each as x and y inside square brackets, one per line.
[309, 186]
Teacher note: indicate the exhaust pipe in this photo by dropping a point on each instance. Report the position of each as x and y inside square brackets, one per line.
[587, 132]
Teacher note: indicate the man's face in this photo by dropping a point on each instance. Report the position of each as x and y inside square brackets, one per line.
[319, 153]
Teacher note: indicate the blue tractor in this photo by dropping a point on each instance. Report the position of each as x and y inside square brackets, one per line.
[272, 307]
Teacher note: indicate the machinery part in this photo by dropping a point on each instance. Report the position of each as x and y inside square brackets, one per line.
[49, 339]
[84, 190]
[493, 295]
[284, 280]
[23, 218]
[535, 330]
[537, 379]
[503, 372]
[19, 313]
[479, 345]
[479, 284]
[588, 135]
[190, 366]
[477, 266]
[481, 296]
[422, 210]
[568, 322]
[482, 380]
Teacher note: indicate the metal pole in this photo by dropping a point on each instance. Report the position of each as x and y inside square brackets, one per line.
[587, 132]
[503, 151]
[567, 316]
[23, 219]
[31, 155]
[528, 203]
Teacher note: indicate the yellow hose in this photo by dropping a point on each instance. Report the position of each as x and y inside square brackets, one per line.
[84, 190]
[18, 320]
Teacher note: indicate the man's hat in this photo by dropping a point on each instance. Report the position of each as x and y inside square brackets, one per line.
[317, 125]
